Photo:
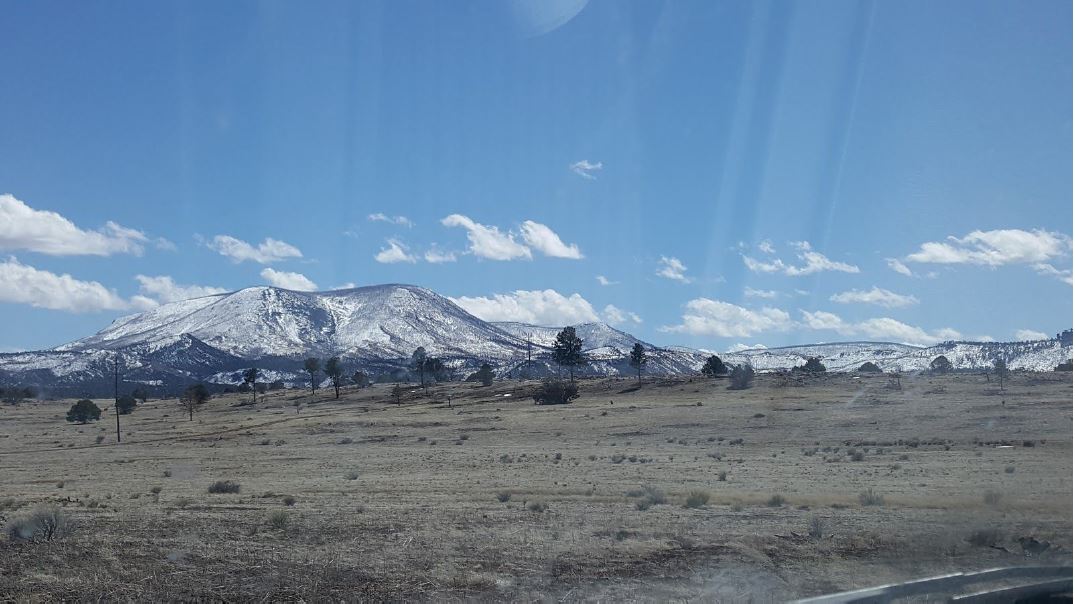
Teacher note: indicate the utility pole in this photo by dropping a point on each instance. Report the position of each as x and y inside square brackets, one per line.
[115, 366]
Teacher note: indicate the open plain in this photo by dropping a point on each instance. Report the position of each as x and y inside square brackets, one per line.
[682, 489]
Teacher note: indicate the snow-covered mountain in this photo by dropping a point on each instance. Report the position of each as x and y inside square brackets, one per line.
[377, 328]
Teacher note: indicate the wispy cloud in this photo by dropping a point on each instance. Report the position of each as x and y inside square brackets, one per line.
[538, 307]
[399, 220]
[435, 255]
[286, 280]
[544, 240]
[23, 284]
[670, 267]
[812, 262]
[394, 253]
[877, 296]
[617, 316]
[899, 267]
[164, 289]
[883, 328]
[46, 232]
[268, 251]
[768, 294]
[707, 317]
[488, 241]
[995, 248]
[1024, 335]
[586, 169]
[605, 281]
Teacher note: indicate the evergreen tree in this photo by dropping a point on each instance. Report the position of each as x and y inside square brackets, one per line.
[714, 367]
[940, 364]
[250, 378]
[360, 379]
[335, 373]
[567, 350]
[126, 404]
[83, 411]
[312, 366]
[638, 360]
[418, 363]
[1001, 369]
[485, 374]
[193, 398]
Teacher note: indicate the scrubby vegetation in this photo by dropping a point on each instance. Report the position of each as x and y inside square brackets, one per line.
[556, 392]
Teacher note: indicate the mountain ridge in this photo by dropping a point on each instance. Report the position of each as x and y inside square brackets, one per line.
[377, 328]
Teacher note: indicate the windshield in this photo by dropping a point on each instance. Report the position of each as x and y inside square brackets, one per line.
[532, 299]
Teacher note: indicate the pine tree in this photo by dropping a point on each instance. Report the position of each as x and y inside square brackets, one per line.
[567, 350]
[335, 373]
[312, 366]
[250, 377]
[638, 360]
[714, 367]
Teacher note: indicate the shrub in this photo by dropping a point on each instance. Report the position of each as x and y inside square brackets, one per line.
[816, 528]
[813, 365]
[1065, 366]
[1009, 470]
[722, 476]
[43, 523]
[776, 501]
[503, 496]
[869, 367]
[278, 519]
[940, 364]
[100, 438]
[352, 475]
[224, 486]
[83, 411]
[869, 497]
[556, 392]
[537, 506]
[126, 404]
[156, 490]
[697, 499]
[742, 377]
[856, 455]
[984, 537]
[991, 498]
[288, 500]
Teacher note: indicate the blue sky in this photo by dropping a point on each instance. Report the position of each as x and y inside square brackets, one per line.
[737, 172]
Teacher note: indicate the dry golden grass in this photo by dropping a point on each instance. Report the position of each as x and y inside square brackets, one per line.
[401, 502]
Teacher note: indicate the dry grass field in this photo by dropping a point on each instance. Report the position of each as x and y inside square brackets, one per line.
[495, 498]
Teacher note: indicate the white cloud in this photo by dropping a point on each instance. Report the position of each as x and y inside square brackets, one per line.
[883, 328]
[616, 316]
[1049, 270]
[538, 307]
[395, 252]
[1022, 335]
[813, 262]
[400, 220]
[899, 267]
[761, 266]
[767, 247]
[672, 268]
[437, 256]
[817, 262]
[995, 248]
[348, 285]
[286, 280]
[739, 347]
[22, 284]
[488, 241]
[768, 294]
[543, 239]
[604, 281]
[585, 168]
[45, 232]
[164, 289]
[878, 296]
[706, 317]
[266, 252]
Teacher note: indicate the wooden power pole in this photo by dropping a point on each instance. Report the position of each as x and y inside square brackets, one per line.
[115, 373]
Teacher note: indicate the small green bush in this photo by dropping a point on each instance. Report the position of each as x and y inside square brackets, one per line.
[224, 486]
[697, 499]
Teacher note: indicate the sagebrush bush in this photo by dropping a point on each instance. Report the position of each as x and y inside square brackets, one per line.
[870, 497]
[556, 392]
[776, 501]
[816, 528]
[224, 486]
[503, 496]
[43, 523]
[537, 506]
[288, 500]
[991, 498]
[279, 519]
[697, 499]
